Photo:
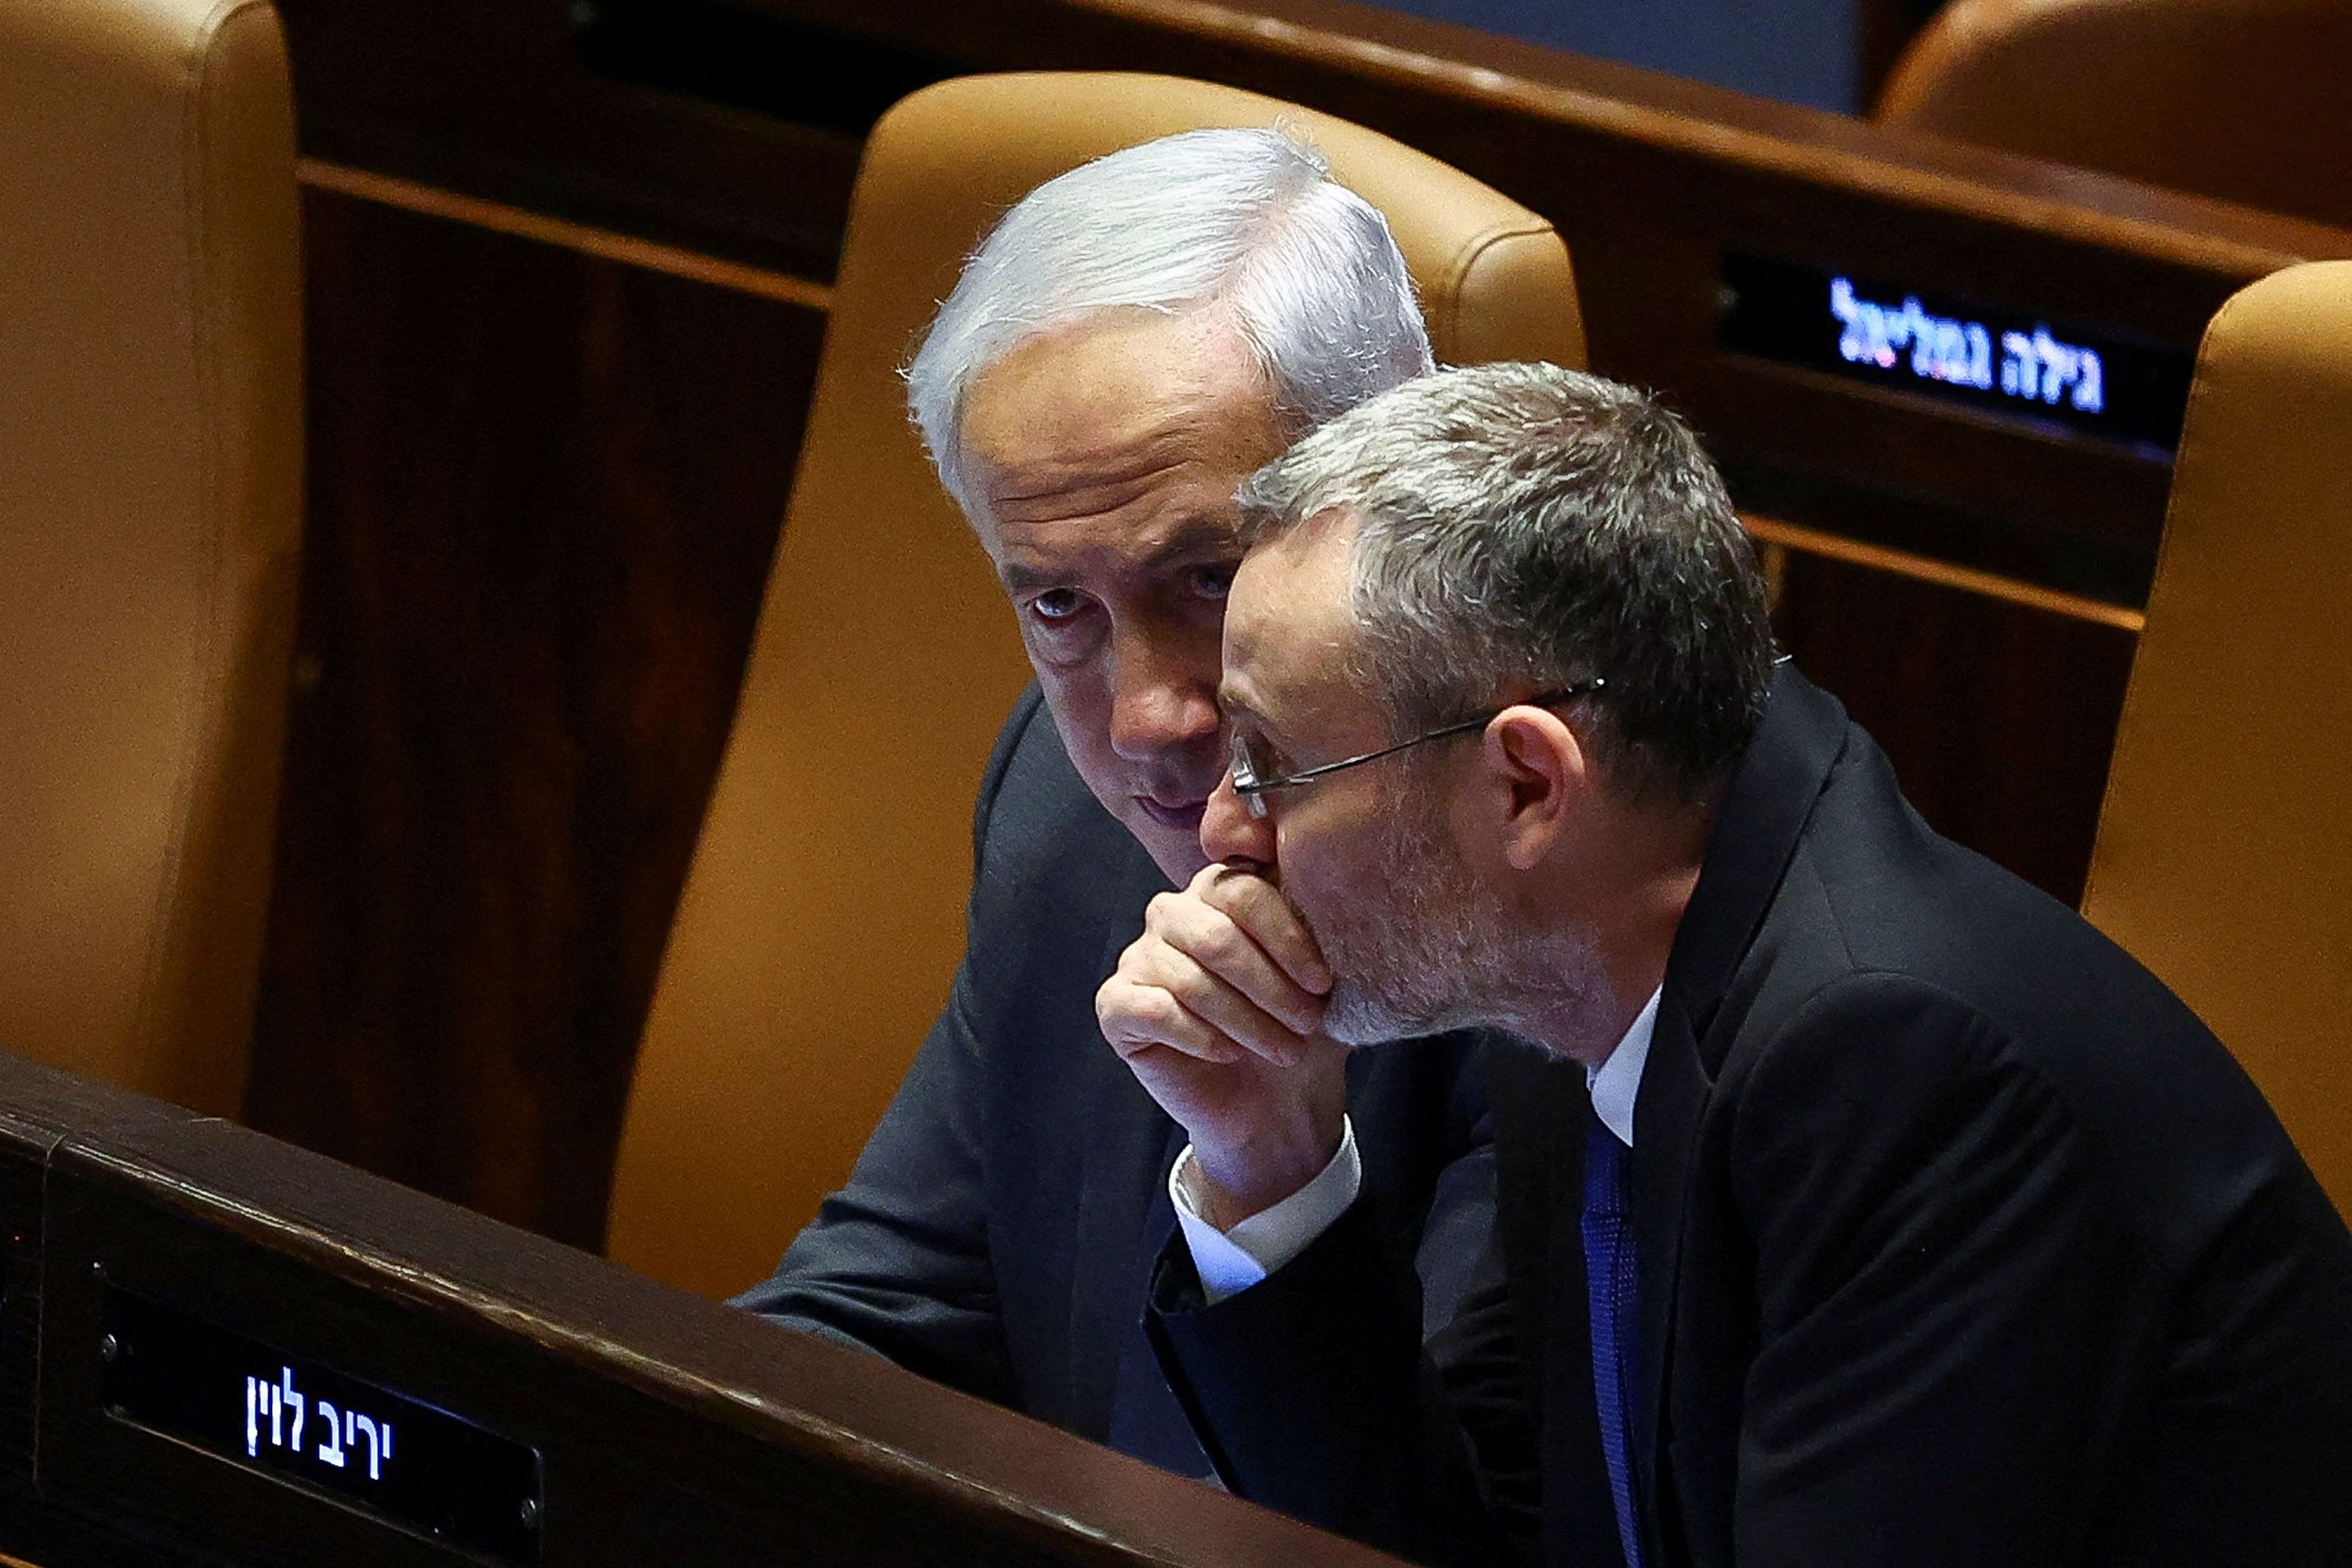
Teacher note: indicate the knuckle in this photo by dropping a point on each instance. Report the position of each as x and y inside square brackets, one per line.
[1138, 1018]
[1191, 988]
[1220, 945]
[1158, 1015]
[1181, 920]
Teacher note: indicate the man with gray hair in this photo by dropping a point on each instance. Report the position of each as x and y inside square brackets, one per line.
[1892, 1216]
[1129, 344]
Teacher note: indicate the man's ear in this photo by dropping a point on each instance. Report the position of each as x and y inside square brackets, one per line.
[1538, 773]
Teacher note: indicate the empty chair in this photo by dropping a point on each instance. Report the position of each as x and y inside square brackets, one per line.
[150, 453]
[821, 920]
[2224, 853]
[2240, 100]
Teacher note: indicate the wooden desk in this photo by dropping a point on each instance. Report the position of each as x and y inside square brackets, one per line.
[652, 1427]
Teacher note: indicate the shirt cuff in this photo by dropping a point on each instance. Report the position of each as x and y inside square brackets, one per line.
[1232, 1261]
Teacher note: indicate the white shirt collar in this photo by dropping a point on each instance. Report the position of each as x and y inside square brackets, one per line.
[1617, 1081]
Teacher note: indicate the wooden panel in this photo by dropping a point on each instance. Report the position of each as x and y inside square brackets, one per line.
[544, 490]
[1999, 718]
[494, 99]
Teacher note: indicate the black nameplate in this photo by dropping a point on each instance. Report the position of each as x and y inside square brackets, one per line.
[2061, 377]
[294, 1419]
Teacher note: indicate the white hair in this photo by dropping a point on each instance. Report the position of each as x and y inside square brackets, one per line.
[1249, 220]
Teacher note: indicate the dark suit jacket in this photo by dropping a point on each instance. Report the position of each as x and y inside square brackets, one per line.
[998, 1231]
[1959, 1241]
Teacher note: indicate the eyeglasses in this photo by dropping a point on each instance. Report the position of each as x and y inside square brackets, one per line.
[1251, 782]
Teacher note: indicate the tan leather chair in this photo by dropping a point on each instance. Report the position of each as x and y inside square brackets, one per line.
[2224, 855]
[2240, 100]
[822, 918]
[150, 454]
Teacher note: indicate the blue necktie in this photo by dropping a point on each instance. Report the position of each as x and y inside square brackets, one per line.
[1609, 1280]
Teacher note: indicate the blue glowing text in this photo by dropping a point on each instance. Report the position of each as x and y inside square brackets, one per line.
[2035, 367]
[274, 1415]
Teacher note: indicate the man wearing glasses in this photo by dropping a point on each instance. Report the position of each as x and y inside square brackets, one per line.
[1887, 1214]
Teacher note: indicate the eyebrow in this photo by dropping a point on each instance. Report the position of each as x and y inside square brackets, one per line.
[1197, 538]
[1235, 707]
[1020, 579]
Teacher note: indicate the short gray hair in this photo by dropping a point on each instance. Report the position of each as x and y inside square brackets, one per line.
[1522, 523]
[1250, 220]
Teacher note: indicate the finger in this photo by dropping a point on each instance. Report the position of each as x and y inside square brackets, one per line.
[1255, 904]
[1185, 933]
[1138, 1017]
[1207, 997]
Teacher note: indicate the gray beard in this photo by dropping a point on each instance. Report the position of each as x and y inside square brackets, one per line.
[1437, 954]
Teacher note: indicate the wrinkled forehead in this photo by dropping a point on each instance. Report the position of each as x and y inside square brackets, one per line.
[1113, 391]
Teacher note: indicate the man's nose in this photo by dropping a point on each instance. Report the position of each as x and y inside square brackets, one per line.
[1230, 831]
[1159, 701]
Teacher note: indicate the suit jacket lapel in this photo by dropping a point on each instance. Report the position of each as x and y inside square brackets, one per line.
[1666, 1116]
[1757, 830]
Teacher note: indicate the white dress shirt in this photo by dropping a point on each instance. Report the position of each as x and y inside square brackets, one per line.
[1617, 1082]
[1228, 1261]
[1232, 1261]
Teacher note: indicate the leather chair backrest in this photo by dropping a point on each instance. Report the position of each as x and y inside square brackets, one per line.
[2224, 852]
[150, 451]
[821, 922]
[2240, 100]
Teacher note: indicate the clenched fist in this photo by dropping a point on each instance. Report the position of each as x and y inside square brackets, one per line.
[1217, 1009]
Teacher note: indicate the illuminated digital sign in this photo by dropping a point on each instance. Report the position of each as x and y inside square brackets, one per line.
[295, 1420]
[2059, 376]
[274, 1415]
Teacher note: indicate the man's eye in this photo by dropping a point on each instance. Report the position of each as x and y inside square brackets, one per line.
[1264, 760]
[1057, 606]
[1213, 582]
